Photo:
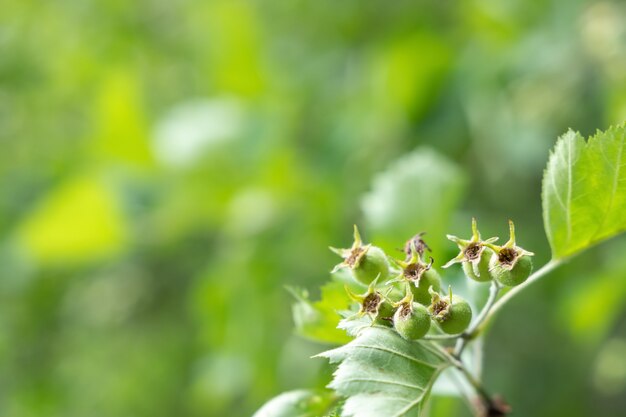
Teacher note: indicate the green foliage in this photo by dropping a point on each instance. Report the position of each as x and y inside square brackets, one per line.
[584, 191]
[387, 372]
[318, 320]
[380, 373]
[90, 206]
[590, 308]
[301, 403]
[167, 168]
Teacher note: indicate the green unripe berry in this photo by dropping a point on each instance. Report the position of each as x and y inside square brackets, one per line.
[384, 321]
[429, 278]
[482, 266]
[474, 255]
[412, 321]
[374, 304]
[511, 274]
[510, 265]
[373, 263]
[385, 309]
[459, 317]
[366, 262]
[452, 314]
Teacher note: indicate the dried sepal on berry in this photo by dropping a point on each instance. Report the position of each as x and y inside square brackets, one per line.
[416, 243]
[474, 255]
[510, 264]
[411, 320]
[452, 313]
[373, 303]
[365, 261]
[419, 274]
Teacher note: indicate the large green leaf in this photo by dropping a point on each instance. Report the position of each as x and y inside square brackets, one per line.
[299, 403]
[381, 374]
[584, 191]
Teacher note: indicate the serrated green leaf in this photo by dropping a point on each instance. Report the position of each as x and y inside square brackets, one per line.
[584, 191]
[317, 320]
[300, 403]
[352, 324]
[381, 374]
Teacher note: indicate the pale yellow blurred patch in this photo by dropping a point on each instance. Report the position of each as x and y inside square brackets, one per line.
[235, 43]
[78, 221]
[122, 131]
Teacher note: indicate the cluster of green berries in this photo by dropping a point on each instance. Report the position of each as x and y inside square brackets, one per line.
[406, 294]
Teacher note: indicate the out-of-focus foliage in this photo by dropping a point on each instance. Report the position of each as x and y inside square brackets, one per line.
[421, 189]
[168, 167]
[302, 403]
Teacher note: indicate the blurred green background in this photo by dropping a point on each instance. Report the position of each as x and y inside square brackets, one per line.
[167, 167]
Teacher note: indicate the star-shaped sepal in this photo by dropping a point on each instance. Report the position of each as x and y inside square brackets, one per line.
[411, 270]
[509, 254]
[351, 257]
[471, 254]
[510, 264]
[372, 303]
[366, 262]
[418, 274]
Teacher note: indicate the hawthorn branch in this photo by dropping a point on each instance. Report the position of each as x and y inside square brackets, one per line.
[487, 405]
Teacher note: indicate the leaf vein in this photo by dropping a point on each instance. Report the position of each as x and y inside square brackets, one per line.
[617, 167]
[419, 399]
[382, 381]
[395, 352]
[569, 190]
